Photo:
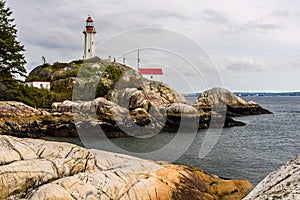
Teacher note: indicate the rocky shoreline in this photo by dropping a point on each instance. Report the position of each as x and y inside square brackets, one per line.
[148, 111]
[283, 183]
[37, 169]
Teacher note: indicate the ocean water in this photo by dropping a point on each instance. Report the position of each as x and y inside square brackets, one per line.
[253, 151]
[250, 152]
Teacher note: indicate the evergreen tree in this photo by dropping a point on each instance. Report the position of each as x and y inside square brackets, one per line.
[12, 60]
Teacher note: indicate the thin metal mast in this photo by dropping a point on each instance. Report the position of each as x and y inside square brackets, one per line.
[138, 60]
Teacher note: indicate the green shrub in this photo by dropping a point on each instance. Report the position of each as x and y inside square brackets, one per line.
[58, 65]
[114, 73]
[40, 98]
[102, 89]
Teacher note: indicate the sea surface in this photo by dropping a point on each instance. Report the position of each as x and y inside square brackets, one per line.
[253, 151]
[249, 152]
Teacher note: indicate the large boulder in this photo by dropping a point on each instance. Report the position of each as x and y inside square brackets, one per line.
[163, 90]
[221, 98]
[36, 169]
[18, 109]
[184, 116]
[63, 85]
[284, 183]
[68, 117]
[21, 120]
[119, 118]
[146, 94]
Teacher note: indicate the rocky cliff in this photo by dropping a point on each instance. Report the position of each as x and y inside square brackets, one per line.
[235, 106]
[20, 120]
[283, 183]
[91, 73]
[36, 169]
[123, 102]
[154, 116]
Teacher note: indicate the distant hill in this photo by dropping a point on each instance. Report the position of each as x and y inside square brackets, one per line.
[267, 94]
[252, 94]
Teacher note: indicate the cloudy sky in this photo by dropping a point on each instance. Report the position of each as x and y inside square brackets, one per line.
[254, 45]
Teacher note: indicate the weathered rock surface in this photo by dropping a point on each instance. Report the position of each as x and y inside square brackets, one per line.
[147, 94]
[221, 97]
[284, 183]
[20, 120]
[164, 91]
[36, 169]
[16, 109]
[111, 113]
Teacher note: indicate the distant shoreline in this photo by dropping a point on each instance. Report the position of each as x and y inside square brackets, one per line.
[253, 94]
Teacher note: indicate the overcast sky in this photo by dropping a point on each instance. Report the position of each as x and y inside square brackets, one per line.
[254, 44]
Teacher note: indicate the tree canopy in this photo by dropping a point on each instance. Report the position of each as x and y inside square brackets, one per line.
[12, 60]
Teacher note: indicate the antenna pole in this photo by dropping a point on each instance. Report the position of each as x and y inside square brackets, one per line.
[138, 60]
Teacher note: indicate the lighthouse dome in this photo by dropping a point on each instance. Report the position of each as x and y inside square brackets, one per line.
[89, 19]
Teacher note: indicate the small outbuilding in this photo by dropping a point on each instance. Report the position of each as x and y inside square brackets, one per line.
[154, 74]
[39, 84]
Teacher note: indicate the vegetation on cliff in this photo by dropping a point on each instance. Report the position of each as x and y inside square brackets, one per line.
[94, 74]
[86, 76]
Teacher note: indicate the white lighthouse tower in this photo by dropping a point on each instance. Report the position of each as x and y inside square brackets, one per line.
[89, 39]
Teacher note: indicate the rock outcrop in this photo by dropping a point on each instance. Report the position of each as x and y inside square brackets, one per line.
[36, 169]
[20, 120]
[235, 106]
[67, 117]
[146, 94]
[283, 183]
[15, 109]
[85, 76]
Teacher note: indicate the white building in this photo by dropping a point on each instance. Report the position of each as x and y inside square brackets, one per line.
[154, 74]
[39, 84]
[89, 39]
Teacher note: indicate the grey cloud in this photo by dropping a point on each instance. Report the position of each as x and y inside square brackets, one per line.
[158, 14]
[137, 18]
[110, 18]
[262, 26]
[243, 64]
[213, 16]
[54, 38]
[280, 13]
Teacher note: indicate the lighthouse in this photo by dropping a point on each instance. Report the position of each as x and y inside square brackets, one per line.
[89, 39]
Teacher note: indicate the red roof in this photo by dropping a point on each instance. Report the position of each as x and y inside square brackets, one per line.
[151, 71]
[89, 19]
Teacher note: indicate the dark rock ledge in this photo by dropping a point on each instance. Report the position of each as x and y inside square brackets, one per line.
[148, 109]
[18, 119]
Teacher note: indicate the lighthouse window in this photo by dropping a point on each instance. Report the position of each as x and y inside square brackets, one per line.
[89, 50]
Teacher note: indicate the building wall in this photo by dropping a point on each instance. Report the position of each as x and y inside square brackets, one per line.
[39, 84]
[153, 77]
[89, 45]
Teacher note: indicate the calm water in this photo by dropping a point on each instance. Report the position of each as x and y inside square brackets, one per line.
[250, 152]
[253, 151]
